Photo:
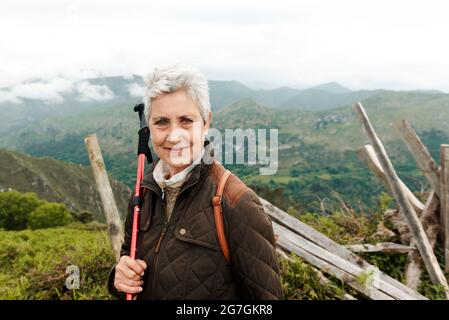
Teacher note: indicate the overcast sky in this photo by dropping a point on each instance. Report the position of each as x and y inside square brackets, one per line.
[360, 44]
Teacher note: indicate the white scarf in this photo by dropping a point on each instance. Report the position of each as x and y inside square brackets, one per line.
[161, 171]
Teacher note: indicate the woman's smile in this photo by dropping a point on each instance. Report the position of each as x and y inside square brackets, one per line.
[177, 149]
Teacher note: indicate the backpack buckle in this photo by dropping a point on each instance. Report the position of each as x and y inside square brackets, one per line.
[216, 200]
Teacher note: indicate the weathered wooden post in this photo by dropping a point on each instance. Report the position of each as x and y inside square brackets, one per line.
[431, 224]
[430, 217]
[444, 200]
[115, 228]
[368, 155]
[416, 229]
[419, 151]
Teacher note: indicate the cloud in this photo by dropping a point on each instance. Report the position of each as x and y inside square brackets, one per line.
[7, 96]
[53, 91]
[294, 43]
[136, 90]
[90, 92]
[48, 91]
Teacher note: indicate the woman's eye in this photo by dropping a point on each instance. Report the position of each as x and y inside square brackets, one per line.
[186, 120]
[161, 122]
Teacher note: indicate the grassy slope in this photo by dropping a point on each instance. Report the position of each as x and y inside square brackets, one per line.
[33, 263]
[57, 181]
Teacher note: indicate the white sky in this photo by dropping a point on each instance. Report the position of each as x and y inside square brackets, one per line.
[391, 44]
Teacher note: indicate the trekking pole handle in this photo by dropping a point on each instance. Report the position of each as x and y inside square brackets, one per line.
[144, 133]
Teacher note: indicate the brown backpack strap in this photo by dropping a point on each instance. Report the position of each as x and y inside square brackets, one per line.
[218, 214]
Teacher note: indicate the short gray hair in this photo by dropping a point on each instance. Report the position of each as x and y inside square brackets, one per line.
[175, 77]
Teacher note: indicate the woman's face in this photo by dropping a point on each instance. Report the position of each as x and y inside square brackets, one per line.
[177, 129]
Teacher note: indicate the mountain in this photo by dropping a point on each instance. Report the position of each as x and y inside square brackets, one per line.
[57, 181]
[244, 112]
[317, 149]
[31, 101]
[224, 93]
[331, 87]
[333, 132]
[335, 129]
[318, 99]
[317, 128]
[325, 96]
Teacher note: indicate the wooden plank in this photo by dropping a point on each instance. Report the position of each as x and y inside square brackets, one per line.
[342, 264]
[417, 230]
[284, 219]
[444, 199]
[330, 263]
[368, 155]
[431, 224]
[422, 156]
[291, 245]
[115, 229]
[386, 247]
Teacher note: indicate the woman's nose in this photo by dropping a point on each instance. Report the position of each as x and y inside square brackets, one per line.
[175, 136]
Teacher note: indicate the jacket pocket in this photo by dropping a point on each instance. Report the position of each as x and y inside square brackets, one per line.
[198, 231]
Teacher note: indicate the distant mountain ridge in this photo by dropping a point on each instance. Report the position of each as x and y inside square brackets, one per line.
[34, 100]
[60, 135]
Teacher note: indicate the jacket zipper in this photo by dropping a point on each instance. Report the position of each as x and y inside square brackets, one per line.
[162, 234]
[161, 237]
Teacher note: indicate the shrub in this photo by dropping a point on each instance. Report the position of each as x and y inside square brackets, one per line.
[83, 216]
[15, 208]
[49, 215]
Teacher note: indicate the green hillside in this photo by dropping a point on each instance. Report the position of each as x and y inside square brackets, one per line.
[317, 149]
[57, 181]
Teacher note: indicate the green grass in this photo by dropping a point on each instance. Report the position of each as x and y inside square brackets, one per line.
[266, 179]
[33, 263]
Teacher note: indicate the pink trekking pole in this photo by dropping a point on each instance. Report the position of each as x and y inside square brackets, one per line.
[143, 152]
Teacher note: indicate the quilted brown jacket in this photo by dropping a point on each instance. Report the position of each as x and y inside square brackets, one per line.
[187, 262]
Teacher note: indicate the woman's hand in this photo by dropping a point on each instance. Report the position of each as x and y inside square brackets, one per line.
[128, 275]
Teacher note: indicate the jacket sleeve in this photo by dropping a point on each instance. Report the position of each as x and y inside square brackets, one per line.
[252, 248]
[124, 250]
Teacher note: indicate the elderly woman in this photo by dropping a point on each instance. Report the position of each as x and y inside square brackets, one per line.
[181, 253]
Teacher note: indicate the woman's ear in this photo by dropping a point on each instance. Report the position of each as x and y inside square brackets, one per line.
[208, 121]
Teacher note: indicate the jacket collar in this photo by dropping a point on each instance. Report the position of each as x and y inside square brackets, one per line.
[197, 173]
